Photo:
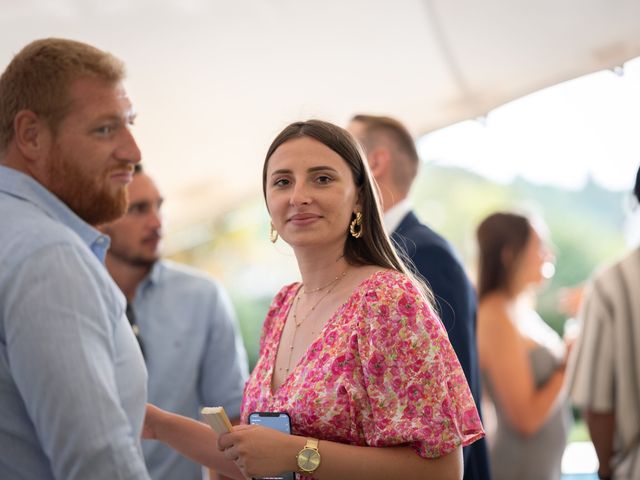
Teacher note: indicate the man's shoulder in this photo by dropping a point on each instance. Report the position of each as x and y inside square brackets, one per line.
[31, 243]
[610, 272]
[195, 291]
[624, 273]
[189, 278]
[420, 239]
[631, 262]
[25, 228]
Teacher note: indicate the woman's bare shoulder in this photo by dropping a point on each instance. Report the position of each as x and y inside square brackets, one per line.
[493, 314]
[493, 302]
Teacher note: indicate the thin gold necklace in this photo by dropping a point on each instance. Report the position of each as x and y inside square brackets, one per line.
[296, 324]
[319, 289]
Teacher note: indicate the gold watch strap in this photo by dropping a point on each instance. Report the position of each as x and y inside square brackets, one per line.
[308, 458]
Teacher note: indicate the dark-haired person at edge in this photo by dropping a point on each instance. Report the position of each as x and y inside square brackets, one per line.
[72, 377]
[393, 160]
[604, 370]
[522, 359]
[354, 353]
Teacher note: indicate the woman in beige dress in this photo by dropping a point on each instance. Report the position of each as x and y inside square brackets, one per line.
[522, 359]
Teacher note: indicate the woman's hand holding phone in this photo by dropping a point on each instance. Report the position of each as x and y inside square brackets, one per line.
[260, 451]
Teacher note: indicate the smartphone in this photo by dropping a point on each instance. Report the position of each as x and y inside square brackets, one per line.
[278, 421]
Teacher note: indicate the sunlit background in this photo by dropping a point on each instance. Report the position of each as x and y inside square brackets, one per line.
[562, 135]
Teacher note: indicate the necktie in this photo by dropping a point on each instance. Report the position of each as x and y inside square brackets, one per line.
[131, 315]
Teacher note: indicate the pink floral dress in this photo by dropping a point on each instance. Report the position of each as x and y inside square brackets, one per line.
[381, 373]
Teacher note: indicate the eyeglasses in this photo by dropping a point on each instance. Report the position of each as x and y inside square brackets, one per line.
[131, 315]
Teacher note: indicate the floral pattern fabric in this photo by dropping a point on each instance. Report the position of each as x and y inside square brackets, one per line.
[381, 373]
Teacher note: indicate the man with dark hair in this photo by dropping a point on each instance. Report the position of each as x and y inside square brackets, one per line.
[604, 369]
[184, 321]
[393, 159]
[72, 379]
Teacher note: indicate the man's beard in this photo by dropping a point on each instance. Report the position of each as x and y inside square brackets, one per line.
[125, 253]
[88, 197]
[134, 260]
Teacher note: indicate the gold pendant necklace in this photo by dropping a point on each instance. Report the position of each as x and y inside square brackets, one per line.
[296, 324]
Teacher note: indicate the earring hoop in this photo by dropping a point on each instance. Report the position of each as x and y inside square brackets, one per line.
[356, 226]
[273, 234]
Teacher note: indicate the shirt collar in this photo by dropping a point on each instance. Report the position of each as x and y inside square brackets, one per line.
[155, 273]
[393, 217]
[152, 278]
[22, 186]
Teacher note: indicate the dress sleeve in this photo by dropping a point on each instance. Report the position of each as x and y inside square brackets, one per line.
[416, 388]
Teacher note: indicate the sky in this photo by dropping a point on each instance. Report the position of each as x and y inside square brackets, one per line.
[557, 136]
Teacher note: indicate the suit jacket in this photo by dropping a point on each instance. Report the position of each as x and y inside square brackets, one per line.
[435, 261]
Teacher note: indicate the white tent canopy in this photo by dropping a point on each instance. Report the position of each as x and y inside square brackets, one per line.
[213, 81]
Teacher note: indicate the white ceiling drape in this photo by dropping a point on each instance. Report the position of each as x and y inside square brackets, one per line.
[214, 81]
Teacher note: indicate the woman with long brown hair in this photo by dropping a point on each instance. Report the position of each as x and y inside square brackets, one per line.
[522, 360]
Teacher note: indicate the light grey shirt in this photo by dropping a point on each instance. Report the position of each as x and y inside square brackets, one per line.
[72, 378]
[194, 353]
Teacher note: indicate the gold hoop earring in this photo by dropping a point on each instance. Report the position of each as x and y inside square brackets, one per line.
[273, 234]
[356, 226]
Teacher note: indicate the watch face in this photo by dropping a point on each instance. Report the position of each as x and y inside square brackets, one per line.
[308, 460]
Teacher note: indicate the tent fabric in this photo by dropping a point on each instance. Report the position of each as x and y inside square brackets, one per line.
[214, 82]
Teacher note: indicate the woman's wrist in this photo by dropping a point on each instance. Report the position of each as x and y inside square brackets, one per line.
[294, 444]
[160, 421]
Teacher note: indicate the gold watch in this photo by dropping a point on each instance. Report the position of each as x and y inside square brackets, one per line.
[309, 457]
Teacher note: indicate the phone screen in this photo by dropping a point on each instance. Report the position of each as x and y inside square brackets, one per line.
[278, 421]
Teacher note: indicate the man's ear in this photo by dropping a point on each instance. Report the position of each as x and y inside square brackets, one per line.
[32, 136]
[379, 159]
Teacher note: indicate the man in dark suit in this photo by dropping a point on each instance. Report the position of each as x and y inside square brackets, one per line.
[393, 159]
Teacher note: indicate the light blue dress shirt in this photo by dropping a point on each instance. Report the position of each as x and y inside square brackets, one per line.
[72, 378]
[194, 353]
